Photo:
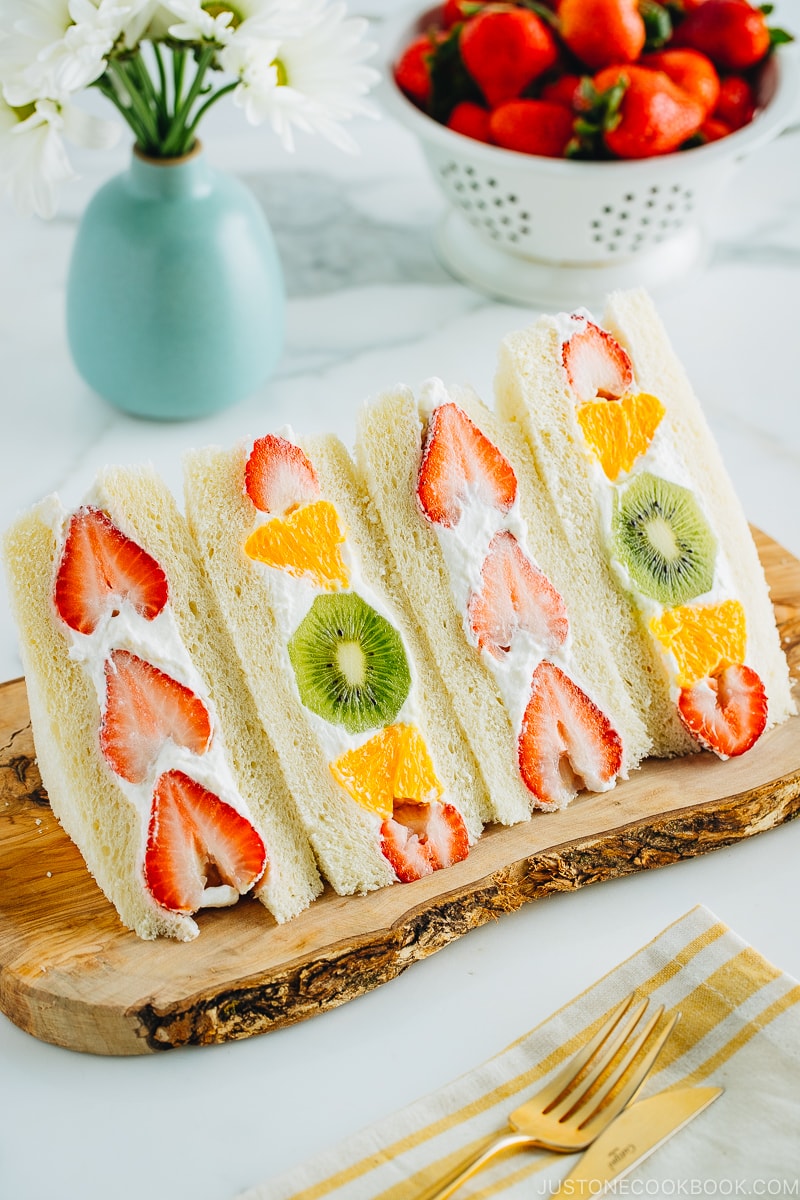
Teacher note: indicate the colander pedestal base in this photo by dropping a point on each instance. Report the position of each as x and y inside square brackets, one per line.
[505, 276]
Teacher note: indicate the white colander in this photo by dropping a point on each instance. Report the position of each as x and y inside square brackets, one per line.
[549, 230]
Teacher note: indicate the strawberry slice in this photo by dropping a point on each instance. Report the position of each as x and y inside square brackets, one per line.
[596, 364]
[278, 476]
[419, 839]
[100, 567]
[459, 462]
[144, 708]
[514, 594]
[197, 841]
[566, 742]
[726, 712]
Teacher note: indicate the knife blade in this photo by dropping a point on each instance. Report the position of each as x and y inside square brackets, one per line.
[633, 1136]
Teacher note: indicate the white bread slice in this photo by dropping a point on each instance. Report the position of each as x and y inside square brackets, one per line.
[84, 792]
[531, 390]
[632, 318]
[388, 449]
[221, 517]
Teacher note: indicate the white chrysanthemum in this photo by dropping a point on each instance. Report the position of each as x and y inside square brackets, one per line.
[201, 22]
[301, 66]
[149, 21]
[33, 158]
[57, 47]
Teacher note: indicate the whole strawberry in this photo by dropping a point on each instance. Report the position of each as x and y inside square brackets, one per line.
[654, 115]
[736, 104]
[504, 50]
[733, 34]
[472, 120]
[692, 71]
[412, 71]
[602, 32]
[532, 127]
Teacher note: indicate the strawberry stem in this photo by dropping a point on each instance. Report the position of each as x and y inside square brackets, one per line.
[657, 24]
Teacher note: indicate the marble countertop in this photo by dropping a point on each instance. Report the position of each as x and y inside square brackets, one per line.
[369, 306]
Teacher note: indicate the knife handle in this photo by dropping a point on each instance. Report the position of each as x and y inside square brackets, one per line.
[470, 1166]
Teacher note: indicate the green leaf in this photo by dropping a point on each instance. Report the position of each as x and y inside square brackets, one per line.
[766, 9]
[779, 37]
[451, 82]
[547, 15]
[657, 24]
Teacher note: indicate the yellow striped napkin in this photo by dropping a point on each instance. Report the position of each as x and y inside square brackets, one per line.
[739, 1028]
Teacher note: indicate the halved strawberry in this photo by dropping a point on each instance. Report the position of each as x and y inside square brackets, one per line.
[278, 475]
[596, 364]
[419, 839]
[100, 567]
[514, 594]
[145, 707]
[195, 841]
[725, 712]
[458, 461]
[566, 743]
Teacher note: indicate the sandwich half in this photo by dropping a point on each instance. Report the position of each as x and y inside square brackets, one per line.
[387, 789]
[494, 584]
[147, 741]
[633, 470]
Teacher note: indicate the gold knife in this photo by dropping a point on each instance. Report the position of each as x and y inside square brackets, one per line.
[633, 1136]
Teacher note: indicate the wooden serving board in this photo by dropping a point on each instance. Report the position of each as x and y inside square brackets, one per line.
[72, 975]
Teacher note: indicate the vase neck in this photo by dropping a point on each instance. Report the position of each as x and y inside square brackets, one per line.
[170, 178]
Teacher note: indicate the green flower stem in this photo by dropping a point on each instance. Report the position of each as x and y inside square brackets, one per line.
[139, 106]
[162, 79]
[155, 98]
[176, 141]
[107, 89]
[206, 105]
[178, 70]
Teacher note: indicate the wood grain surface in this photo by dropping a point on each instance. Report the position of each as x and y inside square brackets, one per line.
[72, 975]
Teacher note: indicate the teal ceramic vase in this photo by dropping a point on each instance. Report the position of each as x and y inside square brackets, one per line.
[175, 294]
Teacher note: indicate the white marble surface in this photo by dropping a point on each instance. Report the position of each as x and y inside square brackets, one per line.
[369, 306]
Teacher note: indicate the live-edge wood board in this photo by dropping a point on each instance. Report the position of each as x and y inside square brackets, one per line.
[72, 975]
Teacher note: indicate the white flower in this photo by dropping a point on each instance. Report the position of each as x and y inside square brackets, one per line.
[198, 24]
[33, 158]
[300, 66]
[52, 48]
[149, 21]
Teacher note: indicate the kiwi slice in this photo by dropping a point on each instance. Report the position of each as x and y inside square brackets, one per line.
[664, 540]
[349, 663]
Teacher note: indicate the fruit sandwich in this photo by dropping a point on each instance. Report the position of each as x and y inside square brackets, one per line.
[356, 712]
[151, 754]
[483, 561]
[671, 570]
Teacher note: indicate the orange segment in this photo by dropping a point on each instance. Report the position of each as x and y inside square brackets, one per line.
[618, 431]
[392, 765]
[306, 542]
[414, 776]
[704, 638]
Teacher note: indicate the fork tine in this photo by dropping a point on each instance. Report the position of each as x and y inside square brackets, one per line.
[637, 1078]
[552, 1092]
[574, 1098]
[619, 1072]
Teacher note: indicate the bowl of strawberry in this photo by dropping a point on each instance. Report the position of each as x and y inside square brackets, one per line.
[583, 144]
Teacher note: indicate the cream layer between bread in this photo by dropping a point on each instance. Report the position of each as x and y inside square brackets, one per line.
[464, 547]
[158, 642]
[663, 458]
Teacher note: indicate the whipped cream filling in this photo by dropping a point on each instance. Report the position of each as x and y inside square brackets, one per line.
[664, 459]
[464, 547]
[158, 642]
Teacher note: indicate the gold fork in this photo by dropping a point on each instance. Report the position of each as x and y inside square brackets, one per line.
[577, 1105]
